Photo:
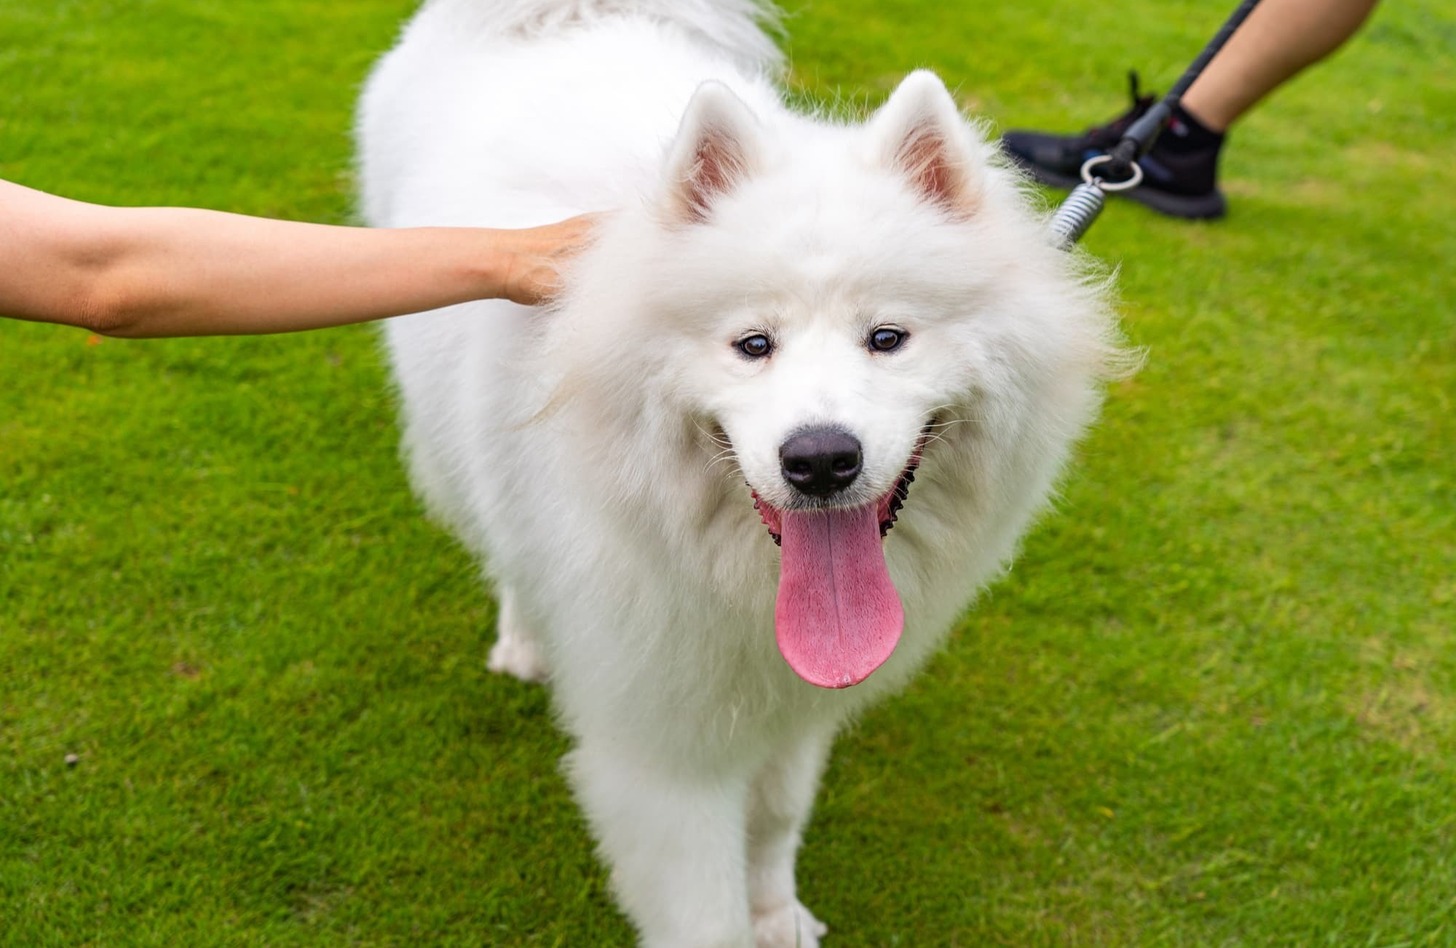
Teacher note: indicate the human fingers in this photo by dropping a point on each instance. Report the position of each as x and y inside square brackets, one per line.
[540, 256]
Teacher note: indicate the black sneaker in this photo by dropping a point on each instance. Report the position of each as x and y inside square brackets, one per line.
[1179, 173]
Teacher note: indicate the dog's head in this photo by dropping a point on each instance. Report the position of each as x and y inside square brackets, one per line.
[826, 298]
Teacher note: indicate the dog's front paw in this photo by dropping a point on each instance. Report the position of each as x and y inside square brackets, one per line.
[788, 926]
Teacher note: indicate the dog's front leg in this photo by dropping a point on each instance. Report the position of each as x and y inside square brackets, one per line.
[781, 799]
[675, 844]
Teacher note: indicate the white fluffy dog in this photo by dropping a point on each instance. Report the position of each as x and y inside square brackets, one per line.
[823, 311]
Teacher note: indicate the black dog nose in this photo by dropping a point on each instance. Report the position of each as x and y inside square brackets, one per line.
[820, 461]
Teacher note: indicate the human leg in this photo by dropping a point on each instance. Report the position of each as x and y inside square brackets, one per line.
[1278, 40]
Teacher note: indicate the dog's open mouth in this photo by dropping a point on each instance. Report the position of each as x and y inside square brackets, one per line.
[838, 616]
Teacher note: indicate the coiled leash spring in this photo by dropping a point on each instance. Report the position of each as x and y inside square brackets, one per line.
[1118, 170]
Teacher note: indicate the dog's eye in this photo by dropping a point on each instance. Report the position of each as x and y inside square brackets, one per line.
[756, 346]
[886, 339]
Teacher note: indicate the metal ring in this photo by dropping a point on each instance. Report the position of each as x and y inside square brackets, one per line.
[1128, 185]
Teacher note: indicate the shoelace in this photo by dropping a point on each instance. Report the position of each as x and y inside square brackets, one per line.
[1105, 136]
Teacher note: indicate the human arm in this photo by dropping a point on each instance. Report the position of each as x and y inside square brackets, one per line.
[156, 271]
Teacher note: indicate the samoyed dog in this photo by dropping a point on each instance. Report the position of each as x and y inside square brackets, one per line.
[691, 479]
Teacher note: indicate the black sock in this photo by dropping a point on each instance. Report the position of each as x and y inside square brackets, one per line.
[1184, 133]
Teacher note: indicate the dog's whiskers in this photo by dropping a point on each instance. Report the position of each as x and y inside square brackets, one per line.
[716, 434]
[724, 461]
[725, 456]
[935, 430]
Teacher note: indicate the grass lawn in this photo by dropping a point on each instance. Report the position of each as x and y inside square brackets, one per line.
[1214, 703]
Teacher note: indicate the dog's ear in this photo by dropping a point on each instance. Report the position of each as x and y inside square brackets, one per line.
[717, 147]
[920, 133]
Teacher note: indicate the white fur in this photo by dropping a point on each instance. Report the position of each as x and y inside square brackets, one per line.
[595, 456]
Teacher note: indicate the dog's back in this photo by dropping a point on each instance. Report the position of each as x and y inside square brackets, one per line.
[731, 26]
[520, 112]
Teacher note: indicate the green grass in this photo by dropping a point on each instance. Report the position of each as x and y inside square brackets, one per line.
[1214, 703]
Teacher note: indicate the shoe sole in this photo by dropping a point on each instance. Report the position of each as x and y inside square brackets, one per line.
[1192, 207]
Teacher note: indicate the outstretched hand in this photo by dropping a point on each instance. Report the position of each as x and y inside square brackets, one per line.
[534, 258]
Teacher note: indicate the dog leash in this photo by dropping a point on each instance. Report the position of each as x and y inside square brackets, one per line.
[1118, 170]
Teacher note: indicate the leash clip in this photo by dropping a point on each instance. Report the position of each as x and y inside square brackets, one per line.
[1080, 209]
[1135, 179]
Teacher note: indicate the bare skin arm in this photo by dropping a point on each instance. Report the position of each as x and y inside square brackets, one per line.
[156, 271]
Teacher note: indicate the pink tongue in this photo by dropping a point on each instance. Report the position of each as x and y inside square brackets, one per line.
[838, 616]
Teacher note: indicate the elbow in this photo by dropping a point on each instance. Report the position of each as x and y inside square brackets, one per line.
[108, 309]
